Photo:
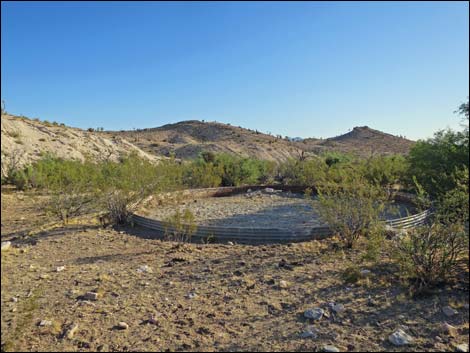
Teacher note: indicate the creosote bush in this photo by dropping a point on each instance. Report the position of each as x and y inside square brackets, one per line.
[352, 208]
[430, 255]
[180, 226]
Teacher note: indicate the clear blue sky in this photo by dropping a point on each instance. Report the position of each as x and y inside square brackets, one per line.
[299, 69]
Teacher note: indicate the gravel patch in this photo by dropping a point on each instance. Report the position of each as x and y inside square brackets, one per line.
[260, 209]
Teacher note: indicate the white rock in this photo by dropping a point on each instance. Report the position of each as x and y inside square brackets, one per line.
[230, 243]
[283, 284]
[365, 272]
[314, 314]
[144, 269]
[400, 338]
[329, 348]
[449, 311]
[461, 347]
[14, 299]
[60, 268]
[45, 323]
[123, 326]
[6, 245]
[269, 190]
[71, 331]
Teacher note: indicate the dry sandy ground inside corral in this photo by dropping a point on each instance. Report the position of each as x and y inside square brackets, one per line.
[201, 297]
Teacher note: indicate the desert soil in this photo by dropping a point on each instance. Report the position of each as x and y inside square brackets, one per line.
[194, 297]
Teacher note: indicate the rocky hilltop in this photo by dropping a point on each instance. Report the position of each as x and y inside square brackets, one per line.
[25, 140]
[187, 139]
[361, 140]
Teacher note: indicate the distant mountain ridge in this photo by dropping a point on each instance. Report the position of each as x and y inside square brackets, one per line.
[30, 139]
[186, 139]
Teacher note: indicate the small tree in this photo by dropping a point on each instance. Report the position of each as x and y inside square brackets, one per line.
[352, 208]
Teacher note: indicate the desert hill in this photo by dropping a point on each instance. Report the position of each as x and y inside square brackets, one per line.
[362, 140]
[187, 139]
[25, 140]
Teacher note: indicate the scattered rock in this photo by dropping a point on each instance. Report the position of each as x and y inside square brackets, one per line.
[90, 296]
[371, 302]
[230, 243]
[400, 338]
[6, 245]
[43, 323]
[145, 269]
[365, 272]
[449, 330]
[310, 332]
[314, 314]
[60, 268]
[449, 311]
[192, 295]
[337, 308]
[122, 325]
[283, 284]
[103, 348]
[71, 331]
[153, 320]
[329, 348]
[14, 299]
[461, 347]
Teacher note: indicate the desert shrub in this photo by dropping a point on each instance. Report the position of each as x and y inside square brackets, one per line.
[334, 157]
[15, 134]
[200, 174]
[351, 274]
[384, 170]
[305, 172]
[435, 161]
[69, 203]
[71, 184]
[180, 226]
[10, 166]
[235, 171]
[454, 206]
[20, 178]
[430, 255]
[124, 185]
[352, 208]
[375, 243]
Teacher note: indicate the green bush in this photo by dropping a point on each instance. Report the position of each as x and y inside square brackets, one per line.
[308, 173]
[201, 174]
[454, 206]
[385, 170]
[180, 226]
[430, 255]
[352, 208]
